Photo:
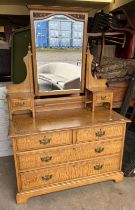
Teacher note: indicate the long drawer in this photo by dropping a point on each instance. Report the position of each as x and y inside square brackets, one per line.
[44, 140]
[40, 178]
[100, 132]
[47, 157]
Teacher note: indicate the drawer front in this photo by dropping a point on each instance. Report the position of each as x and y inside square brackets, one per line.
[21, 103]
[39, 178]
[34, 160]
[44, 140]
[100, 133]
[104, 97]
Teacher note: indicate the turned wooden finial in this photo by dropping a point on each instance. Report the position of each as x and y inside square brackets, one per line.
[88, 47]
[29, 47]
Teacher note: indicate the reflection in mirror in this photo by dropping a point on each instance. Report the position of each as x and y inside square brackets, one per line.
[59, 41]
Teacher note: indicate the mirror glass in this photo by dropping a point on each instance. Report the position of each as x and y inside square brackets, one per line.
[59, 42]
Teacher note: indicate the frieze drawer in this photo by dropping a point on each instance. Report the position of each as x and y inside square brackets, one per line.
[100, 132]
[47, 157]
[44, 177]
[44, 140]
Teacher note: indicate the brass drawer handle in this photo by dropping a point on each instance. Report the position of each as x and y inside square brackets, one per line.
[46, 159]
[99, 149]
[45, 141]
[100, 133]
[98, 167]
[103, 98]
[47, 177]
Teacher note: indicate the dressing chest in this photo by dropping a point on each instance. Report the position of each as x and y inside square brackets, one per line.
[65, 149]
[65, 144]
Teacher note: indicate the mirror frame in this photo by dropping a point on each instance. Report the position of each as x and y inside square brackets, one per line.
[59, 11]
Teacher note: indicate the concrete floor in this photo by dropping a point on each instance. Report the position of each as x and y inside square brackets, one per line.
[101, 196]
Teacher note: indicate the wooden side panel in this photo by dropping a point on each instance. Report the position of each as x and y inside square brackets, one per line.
[27, 84]
[91, 82]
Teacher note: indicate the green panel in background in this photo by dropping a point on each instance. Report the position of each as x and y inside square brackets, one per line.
[20, 42]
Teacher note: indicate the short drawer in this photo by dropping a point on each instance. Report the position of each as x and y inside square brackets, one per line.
[44, 177]
[47, 157]
[19, 104]
[100, 132]
[104, 97]
[44, 140]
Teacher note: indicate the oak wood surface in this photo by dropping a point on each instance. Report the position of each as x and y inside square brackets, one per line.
[21, 96]
[62, 120]
[96, 89]
[37, 178]
[84, 145]
[65, 145]
[22, 197]
[45, 140]
[30, 160]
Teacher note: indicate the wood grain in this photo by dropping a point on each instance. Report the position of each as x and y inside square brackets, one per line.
[23, 125]
[34, 179]
[22, 197]
[91, 134]
[65, 145]
[44, 140]
[65, 154]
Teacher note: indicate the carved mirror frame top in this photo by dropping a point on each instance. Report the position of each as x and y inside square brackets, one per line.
[74, 13]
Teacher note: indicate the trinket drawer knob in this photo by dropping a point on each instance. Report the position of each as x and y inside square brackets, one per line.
[99, 149]
[45, 141]
[98, 167]
[46, 159]
[47, 177]
[103, 98]
[19, 103]
[100, 133]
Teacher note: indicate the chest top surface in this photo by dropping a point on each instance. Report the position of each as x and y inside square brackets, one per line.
[22, 125]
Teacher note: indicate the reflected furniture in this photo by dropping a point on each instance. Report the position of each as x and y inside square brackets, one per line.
[63, 76]
[65, 145]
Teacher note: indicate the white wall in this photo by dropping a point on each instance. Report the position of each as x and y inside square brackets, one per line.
[5, 141]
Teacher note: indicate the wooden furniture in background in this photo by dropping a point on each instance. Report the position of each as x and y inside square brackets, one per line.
[96, 89]
[66, 145]
[119, 91]
[111, 37]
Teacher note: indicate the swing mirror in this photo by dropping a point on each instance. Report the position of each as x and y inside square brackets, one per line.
[58, 52]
